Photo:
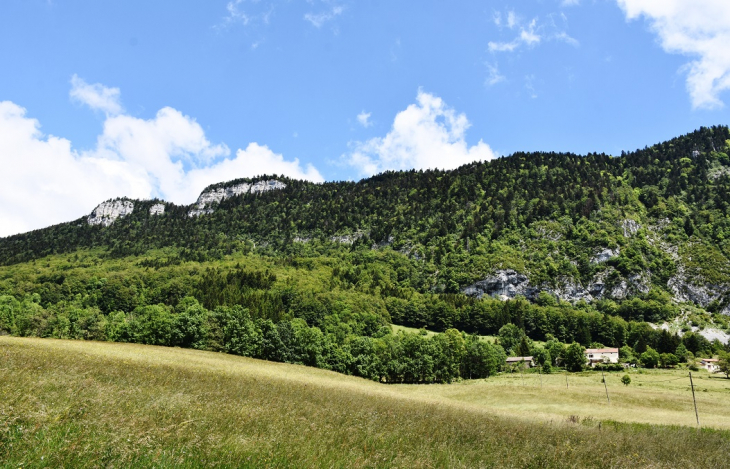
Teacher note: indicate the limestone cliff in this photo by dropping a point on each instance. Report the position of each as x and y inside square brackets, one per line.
[106, 212]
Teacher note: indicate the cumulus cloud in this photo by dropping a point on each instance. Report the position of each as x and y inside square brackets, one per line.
[427, 134]
[96, 96]
[700, 29]
[47, 181]
[364, 119]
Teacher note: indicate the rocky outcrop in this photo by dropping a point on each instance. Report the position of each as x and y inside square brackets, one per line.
[214, 196]
[685, 290]
[507, 284]
[630, 227]
[107, 212]
[605, 254]
[346, 239]
[504, 284]
[157, 209]
[568, 289]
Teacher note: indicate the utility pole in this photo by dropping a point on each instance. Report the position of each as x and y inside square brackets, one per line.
[605, 385]
[693, 399]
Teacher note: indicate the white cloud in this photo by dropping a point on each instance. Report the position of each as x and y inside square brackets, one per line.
[47, 181]
[236, 14]
[427, 134]
[570, 3]
[564, 37]
[319, 19]
[530, 85]
[528, 36]
[700, 28]
[256, 12]
[511, 19]
[96, 96]
[364, 119]
[494, 75]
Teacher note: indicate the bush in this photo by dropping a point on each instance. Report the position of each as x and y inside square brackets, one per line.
[626, 380]
[650, 358]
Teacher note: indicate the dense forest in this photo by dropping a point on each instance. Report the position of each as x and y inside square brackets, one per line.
[537, 250]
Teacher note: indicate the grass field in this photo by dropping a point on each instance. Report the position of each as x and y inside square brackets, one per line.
[397, 328]
[89, 404]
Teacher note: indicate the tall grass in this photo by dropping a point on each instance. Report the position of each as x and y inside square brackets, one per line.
[86, 404]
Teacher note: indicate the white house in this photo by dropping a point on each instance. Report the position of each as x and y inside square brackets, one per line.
[601, 355]
[710, 364]
[527, 362]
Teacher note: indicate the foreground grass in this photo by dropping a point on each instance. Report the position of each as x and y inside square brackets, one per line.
[86, 404]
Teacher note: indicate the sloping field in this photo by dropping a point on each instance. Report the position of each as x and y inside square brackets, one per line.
[88, 404]
[660, 397]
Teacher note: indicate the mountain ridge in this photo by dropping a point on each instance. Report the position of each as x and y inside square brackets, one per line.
[604, 227]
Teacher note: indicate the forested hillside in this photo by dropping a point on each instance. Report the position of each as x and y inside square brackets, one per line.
[567, 248]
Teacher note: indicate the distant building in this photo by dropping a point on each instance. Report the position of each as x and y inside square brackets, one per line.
[710, 364]
[527, 362]
[601, 355]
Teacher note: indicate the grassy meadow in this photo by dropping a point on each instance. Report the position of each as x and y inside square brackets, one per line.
[91, 404]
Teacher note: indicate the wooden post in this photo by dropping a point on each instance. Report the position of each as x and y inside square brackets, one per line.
[605, 385]
[566, 380]
[697, 415]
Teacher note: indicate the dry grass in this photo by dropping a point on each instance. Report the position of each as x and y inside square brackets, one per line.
[85, 404]
[660, 397]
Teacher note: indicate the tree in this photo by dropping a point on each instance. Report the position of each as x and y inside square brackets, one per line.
[724, 364]
[556, 350]
[523, 350]
[650, 358]
[542, 356]
[626, 380]
[510, 337]
[575, 358]
[681, 353]
[668, 360]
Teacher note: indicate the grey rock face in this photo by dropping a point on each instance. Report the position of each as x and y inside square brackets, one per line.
[507, 284]
[604, 255]
[346, 239]
[630, 227]
[106, 212]
[685, 290]
[208, 198]
[157, 209]
[503, 284]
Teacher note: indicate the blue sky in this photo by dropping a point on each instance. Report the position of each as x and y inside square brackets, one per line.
[159, 99]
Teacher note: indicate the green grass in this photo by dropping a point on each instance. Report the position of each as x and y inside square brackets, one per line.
[412, 330]
[89, 404]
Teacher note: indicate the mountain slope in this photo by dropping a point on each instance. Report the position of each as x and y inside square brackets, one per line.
[577, 227]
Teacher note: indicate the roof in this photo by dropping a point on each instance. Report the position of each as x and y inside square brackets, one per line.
[519, 359]
[601, 350]
[710, 360]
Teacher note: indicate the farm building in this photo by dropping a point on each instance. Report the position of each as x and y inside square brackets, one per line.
[710, 364]
[601, 355]
[527, 362]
